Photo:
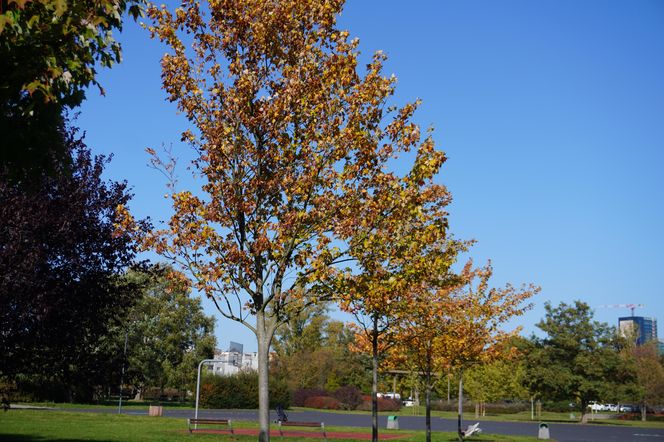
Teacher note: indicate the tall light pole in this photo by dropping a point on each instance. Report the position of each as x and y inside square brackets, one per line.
[124, 357]
[198, 383]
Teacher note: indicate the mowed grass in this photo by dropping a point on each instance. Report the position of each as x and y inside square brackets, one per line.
[39, 425]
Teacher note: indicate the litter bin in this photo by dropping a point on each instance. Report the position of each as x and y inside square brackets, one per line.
[155, 410]
[543, 431]
[392, 423]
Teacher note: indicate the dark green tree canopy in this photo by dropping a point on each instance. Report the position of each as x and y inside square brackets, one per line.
[60, 259]
[578, 359]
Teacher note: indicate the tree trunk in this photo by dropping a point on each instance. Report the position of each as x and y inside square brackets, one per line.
[584, 417]
[427, 400]
[460, 412]
[263, 338]
[374, 381]
[644, 411]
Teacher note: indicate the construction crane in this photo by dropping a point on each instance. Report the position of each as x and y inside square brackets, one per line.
[631, 307]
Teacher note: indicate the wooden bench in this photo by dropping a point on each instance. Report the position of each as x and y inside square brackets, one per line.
[320, 425]
[196, 422]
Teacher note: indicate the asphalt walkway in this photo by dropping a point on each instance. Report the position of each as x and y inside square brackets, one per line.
[561, 432]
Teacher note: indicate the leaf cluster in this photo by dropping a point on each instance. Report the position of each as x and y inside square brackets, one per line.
[49, 54]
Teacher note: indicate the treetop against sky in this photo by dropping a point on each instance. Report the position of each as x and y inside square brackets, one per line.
[549, 113]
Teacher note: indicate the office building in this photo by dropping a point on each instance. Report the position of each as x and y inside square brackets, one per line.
[642, 329]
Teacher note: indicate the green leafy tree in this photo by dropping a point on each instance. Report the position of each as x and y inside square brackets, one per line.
[578, 360]
[49, 53]
[313, 353]
[497, 380]
[167, 332]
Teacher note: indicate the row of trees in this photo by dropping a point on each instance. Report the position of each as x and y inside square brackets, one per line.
[298, 203]
[577, 360]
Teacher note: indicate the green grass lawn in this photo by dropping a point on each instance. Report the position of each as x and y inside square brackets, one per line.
[39, 426]
[131, 404]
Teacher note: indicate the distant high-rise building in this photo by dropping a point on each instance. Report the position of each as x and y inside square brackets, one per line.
[643, 329]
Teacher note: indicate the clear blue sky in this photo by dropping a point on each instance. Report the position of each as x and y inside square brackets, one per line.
[551, 114]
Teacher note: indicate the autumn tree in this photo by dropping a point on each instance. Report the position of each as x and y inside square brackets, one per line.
[49, 54]
[404, 252]
[293, 141]
[646, 363]
[460, 326]
[427, 326]
[60, 268]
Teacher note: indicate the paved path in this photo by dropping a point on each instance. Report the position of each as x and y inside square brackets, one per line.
[558, 431]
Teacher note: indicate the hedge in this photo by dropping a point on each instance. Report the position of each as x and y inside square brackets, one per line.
[239, 391]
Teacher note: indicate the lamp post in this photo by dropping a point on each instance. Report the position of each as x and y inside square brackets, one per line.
[198, 383]
[124, 357]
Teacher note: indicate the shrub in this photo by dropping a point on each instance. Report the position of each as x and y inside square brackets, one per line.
[349, 396]
[239, 391]
[300, 396]
[323, 403]
[490, 408]
[384, 404]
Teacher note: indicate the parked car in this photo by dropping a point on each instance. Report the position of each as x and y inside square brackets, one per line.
[627, 408]
[594, 406]
[409, 402]
[390, 395]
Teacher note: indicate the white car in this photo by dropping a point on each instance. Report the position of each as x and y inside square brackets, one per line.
[390, 395]
[594, 406]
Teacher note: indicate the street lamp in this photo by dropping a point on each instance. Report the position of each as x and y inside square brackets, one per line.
[198, 383]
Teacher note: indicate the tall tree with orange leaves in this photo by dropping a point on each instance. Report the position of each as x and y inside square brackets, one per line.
[293, 141]
[401, 256]
[461, 326]
[454, 326]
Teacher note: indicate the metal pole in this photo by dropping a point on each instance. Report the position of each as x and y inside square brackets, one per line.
[122, 372]
[460, 411]
[198, 385]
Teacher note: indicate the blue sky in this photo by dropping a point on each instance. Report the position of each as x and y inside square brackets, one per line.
[551, 114]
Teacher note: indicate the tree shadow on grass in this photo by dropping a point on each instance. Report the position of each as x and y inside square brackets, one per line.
[4, 437]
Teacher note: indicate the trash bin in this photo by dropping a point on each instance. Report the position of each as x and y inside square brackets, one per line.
[155, 410]
[543, 431]
[392, 423]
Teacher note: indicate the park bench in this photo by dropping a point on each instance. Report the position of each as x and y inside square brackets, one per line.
[195, 422]
[320, 425]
